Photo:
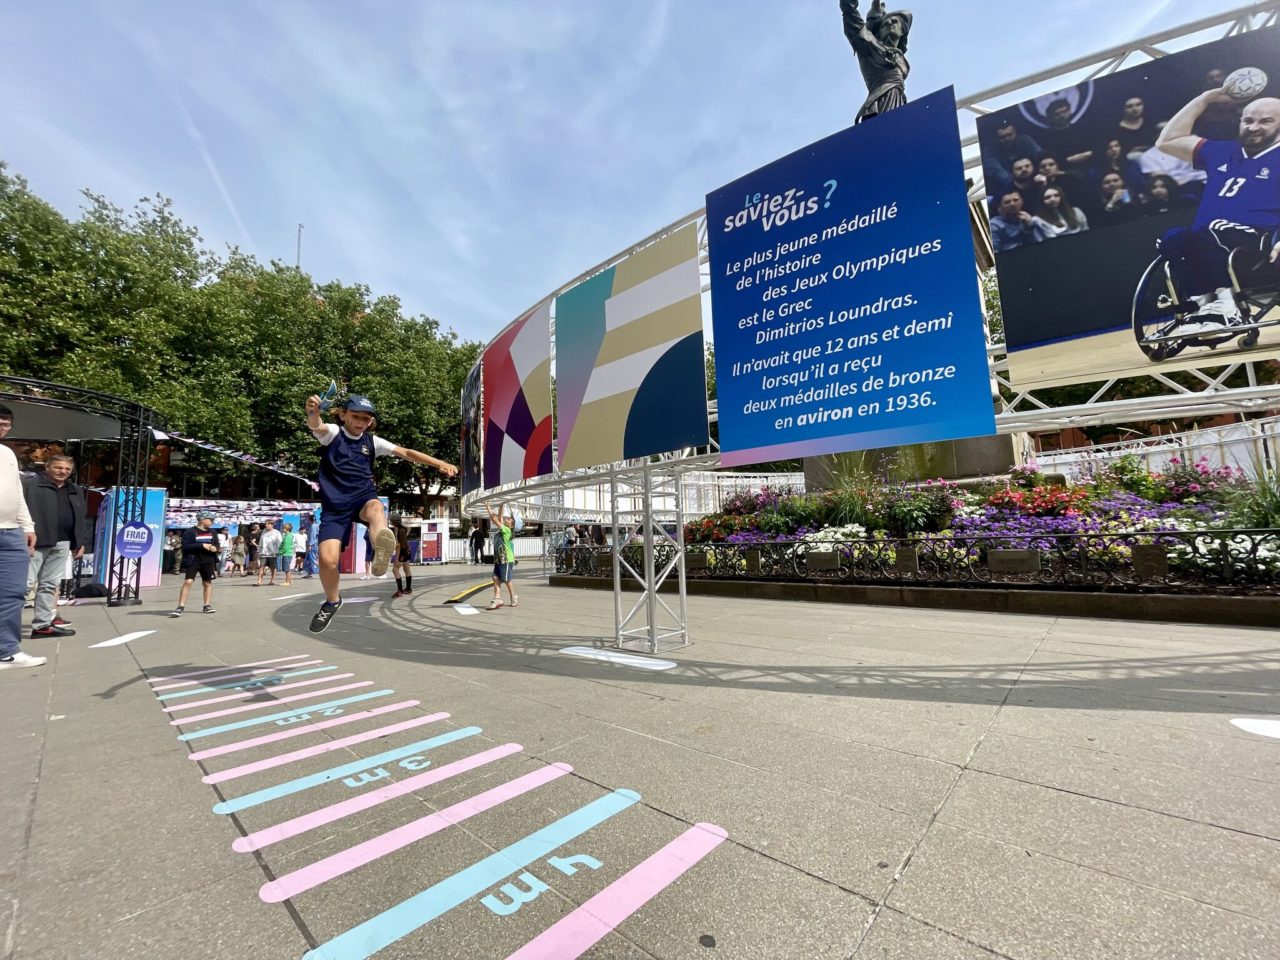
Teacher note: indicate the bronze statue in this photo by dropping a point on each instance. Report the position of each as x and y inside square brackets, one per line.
[880, 43]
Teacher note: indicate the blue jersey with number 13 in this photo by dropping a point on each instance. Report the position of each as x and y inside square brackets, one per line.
[1240, 189]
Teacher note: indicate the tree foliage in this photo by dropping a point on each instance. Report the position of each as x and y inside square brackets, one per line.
[224, 347]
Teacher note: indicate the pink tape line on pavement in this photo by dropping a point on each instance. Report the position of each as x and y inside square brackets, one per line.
[575, 934]
[245, 675]
[299, 730]
[305, 752]
[309, 821]
[258, 691]
[225, 666]
[271, 703]
[322, 871]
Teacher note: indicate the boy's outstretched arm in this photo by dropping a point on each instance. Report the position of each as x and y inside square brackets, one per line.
[416, 456]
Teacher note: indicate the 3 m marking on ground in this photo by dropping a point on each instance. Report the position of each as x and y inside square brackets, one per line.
[322, 871]
[365, 801]
[327, 747]
[403, 754]
[575, 934]
[366, 939]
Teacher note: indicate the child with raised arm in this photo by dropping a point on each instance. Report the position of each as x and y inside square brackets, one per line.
[348, 493]
[504, 558]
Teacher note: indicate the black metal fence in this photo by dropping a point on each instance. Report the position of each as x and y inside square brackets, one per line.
[1217, 561]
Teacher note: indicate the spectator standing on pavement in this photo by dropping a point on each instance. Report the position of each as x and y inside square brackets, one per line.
[17, 545]
[477, 543]
[237, 555]
[268, 550]
[300, 550]
[58, 506]
[400, 560]
[286, 554]
[172, 551]
[200, 551]
[251, 548]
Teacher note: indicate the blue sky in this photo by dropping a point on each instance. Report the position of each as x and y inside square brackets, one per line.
[469, 157]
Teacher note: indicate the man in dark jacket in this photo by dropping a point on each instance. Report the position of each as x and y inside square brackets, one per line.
[58, 507]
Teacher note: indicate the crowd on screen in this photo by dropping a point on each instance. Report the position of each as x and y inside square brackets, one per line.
[1069, 176]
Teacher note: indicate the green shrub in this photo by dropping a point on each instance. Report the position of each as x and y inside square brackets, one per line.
[1257, 506]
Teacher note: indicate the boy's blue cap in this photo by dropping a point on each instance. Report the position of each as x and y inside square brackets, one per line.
[205, 515]
[359, 404]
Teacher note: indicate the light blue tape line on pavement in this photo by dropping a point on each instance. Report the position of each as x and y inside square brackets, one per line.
[336, 773]
[245, 684]
[404, 918]
[284, 715]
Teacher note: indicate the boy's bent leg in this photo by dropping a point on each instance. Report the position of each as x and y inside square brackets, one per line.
[382, 537]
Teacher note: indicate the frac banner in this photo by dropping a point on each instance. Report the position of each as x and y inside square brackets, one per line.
[845, 306]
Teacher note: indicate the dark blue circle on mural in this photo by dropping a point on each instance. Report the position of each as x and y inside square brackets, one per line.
[133, 540]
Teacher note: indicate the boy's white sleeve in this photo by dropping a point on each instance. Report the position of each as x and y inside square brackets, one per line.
[383, 448]
[326, 433]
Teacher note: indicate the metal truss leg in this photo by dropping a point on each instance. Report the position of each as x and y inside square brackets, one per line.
[651, 626]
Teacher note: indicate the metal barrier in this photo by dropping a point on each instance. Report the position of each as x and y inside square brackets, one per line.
[1217, 561]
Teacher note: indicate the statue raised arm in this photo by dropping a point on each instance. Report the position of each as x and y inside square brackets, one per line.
[880, 43]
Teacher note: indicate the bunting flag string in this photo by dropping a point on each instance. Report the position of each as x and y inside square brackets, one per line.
[282, 469]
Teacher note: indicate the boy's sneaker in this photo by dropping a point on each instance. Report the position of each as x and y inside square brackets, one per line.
[59, 622]
[324, 615]
[177, 611]
[398, 593]
[494, 604]
[384, 545]
[515, 601]
[19, 660]
[208, 608]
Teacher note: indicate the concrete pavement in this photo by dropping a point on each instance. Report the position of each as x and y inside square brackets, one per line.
[808, 781]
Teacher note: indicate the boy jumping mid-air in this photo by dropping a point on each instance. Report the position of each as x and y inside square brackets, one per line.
[348, 493]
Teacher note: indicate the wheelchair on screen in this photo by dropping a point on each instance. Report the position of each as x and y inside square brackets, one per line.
[1161, 314]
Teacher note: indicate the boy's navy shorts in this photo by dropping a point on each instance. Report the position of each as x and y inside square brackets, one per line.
[336, 519]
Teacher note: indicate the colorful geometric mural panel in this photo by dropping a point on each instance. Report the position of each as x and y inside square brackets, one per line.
[517, 400]
[630, 375]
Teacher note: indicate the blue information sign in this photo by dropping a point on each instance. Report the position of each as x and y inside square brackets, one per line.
[845, 303]
[133, 540]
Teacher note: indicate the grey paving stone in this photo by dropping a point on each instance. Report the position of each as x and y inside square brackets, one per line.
[1209, 797]
[1027, 905]
[1220, 867]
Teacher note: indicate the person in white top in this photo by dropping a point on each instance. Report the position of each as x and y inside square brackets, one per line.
[268, 550]
[17, 545]
[300, 550]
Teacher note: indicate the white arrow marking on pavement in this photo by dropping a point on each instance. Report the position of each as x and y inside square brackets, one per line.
[1263, 728]
[626, 659]
[116, 641]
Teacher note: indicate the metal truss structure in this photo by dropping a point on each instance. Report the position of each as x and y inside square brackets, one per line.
[124, 574]
[659, 477]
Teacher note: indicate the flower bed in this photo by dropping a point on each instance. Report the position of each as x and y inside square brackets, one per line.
[1191, 510]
